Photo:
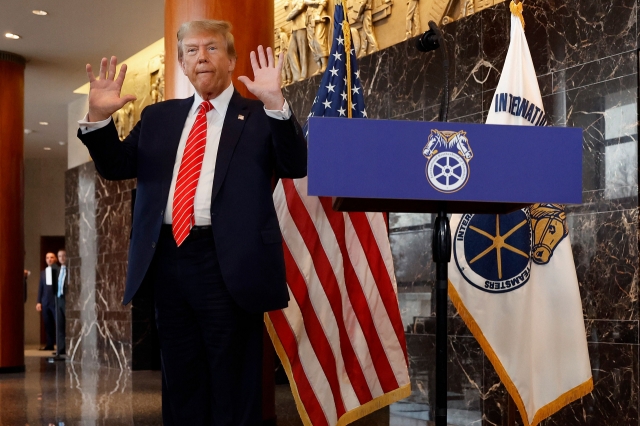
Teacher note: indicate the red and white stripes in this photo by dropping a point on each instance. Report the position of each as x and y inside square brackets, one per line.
[341, 334]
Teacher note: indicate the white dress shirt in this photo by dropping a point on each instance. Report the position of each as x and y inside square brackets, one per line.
[215, 120]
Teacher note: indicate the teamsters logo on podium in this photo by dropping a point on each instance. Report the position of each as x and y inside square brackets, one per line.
[448, 155]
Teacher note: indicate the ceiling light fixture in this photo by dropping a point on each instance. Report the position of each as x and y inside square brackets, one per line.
[39, 12]
[12, 36]
[46, 148]
[27, 131]
[44, 123]
[62, 143]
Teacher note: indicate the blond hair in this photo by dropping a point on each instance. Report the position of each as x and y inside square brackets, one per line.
[213, 26]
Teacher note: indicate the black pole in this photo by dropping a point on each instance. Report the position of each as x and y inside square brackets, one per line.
[441, 243]
[432, 40]
[444, 105]
[441, 246]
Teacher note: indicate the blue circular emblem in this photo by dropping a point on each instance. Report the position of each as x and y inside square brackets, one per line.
[493, 252]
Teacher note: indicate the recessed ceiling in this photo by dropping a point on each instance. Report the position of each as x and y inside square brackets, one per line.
[57, 47]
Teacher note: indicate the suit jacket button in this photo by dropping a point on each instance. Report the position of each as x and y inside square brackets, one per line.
[161, 212]
[153, 245]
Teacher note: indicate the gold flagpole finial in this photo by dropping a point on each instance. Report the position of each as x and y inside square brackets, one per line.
[516, 9]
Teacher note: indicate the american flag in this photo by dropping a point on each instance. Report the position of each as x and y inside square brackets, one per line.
[341, 339]
[335, 91]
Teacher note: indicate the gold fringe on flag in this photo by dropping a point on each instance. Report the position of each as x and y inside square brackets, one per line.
[542, 413]
[348, 417]
[516, 9]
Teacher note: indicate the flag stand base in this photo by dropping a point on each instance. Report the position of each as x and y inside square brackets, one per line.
[441, 246]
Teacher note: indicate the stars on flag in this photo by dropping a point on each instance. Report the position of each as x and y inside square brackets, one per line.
[336, 89]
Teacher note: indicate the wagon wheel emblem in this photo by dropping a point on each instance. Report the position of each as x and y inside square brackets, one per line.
[498, 242]
[447, 171]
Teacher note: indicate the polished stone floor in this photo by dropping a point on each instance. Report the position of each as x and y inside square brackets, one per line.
[64, 394]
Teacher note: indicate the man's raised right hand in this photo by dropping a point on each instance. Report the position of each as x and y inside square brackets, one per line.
[104, 91]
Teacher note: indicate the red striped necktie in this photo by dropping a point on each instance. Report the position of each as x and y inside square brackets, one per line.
[188, 175]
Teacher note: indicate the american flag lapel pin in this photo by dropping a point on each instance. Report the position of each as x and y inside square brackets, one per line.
[240, 117]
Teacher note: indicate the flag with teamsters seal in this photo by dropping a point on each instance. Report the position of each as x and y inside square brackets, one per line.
[512, 277]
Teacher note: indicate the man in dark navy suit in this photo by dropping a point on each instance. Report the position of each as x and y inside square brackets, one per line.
[205, 232]
[60, 289]
[47, 299]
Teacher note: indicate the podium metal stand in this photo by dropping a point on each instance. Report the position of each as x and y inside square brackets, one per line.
[434, 167]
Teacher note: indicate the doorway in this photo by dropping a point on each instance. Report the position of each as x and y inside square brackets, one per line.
[48, 244]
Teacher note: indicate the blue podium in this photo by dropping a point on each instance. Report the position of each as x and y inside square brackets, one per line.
[434, 167]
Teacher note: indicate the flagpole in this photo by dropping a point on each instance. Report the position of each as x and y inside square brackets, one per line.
[346, 31]
[441, 247]
[441, 240]
[511, 405]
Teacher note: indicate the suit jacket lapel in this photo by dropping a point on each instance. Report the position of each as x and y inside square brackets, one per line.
[231, 130]
[173, 126]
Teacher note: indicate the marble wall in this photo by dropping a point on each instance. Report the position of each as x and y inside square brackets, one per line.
[98, 218]
[585, 54]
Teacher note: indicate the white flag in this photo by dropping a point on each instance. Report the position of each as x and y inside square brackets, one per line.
[512, 277]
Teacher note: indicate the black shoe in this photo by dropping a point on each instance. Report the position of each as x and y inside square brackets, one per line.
[46, 348]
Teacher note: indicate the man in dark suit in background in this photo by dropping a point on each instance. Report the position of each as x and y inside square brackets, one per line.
[46, 300]
[60, 287]
[205, 231]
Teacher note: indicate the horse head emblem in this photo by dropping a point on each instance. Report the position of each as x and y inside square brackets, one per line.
[460, 141]
[549, 226]
[436, 140]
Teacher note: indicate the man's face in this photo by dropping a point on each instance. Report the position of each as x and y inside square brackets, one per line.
[206, 63]
[50, 258]
[62, 257]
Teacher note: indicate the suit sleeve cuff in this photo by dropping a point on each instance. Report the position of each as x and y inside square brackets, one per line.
[87, 126]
